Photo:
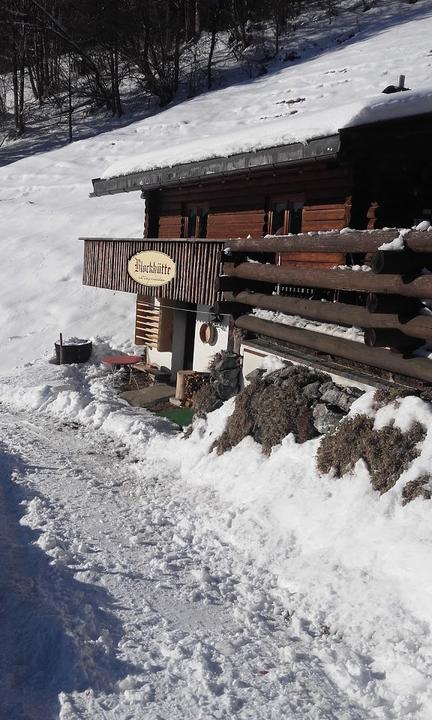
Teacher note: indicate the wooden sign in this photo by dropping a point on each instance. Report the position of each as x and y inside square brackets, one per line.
[152, 268]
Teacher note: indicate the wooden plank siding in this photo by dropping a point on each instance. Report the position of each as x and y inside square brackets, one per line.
[317, 218]
[197, 267]
[170, 226]
[153, 324]
[239, 206]
[239, 223]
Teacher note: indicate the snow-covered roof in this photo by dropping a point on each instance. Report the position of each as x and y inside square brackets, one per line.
[337, 88]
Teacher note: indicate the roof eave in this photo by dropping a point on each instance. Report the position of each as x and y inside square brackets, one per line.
[318, 148]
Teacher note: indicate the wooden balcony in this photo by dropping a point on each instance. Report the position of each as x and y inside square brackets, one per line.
[197, 267]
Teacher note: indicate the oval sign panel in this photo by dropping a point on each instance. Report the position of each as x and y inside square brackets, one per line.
[152, 268]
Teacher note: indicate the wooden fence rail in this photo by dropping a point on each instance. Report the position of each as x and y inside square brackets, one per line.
[349, 280]
[389, 312]
[419, 368]
[353, 241]
[338, 313]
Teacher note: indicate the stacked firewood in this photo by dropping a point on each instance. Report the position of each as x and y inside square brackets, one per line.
[192, 383]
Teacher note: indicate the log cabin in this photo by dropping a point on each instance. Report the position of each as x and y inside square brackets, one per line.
[369, 176]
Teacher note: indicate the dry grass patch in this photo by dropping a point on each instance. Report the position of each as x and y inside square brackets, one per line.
[269, 412]
[417, 488]
[241, 422]
[280, 411]
[205, 400]
[386, 395]
[387, 452]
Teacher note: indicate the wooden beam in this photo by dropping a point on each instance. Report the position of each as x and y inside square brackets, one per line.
[420, 368]
[405, 307]
[338, 313]
[354, 241]
[400, 263]
[349, 280]
[377, 337]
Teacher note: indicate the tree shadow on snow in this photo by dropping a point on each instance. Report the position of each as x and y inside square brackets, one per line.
[56, 634]
[309, 41]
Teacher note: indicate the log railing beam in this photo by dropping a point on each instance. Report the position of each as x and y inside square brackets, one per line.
[349, 280]
[338, 313]
[353, 241]
[419, 368]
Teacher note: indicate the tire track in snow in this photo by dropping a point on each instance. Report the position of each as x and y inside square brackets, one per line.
[168, 621]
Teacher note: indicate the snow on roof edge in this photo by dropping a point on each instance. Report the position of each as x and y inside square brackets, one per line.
[380, 109]
[276, 155]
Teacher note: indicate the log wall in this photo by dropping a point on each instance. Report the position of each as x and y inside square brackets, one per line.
[241, 206]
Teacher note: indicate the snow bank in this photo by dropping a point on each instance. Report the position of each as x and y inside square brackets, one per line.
[349, 563]
[45, 208]
[356, 562]
[83, 394]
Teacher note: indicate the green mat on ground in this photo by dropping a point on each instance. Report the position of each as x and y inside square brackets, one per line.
[181, 416]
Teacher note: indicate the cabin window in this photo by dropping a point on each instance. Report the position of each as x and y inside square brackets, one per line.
[286, 217]
[195, 221]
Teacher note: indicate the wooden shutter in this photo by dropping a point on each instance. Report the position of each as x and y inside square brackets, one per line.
[153, 324]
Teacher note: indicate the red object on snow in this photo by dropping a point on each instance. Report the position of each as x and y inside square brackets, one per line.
[121, 359]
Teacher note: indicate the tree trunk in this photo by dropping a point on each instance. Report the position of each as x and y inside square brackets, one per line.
[210, 56]
[70, 107]
[15, 87]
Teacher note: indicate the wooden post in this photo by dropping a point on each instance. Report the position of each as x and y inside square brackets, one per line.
[379, 337]
[61, 353]
[392, 304]
[399, 262]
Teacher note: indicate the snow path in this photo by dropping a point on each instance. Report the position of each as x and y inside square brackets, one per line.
[120, 602]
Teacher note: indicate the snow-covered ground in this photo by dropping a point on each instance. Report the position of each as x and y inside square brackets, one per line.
[142, 577]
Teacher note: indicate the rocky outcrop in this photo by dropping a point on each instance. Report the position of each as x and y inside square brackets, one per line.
[294, 399]
[328, 401]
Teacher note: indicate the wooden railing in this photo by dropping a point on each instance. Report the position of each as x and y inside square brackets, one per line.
[197, 267]
[391, 291]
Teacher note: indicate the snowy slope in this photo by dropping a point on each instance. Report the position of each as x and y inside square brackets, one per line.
[310, 98]
[44, 208]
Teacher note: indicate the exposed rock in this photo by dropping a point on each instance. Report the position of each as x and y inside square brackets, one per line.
[278, 376]
[339, 397]
[325, 418]
[294, 375]
[354, 391]
[293, 399]
[255, 374]
[226, 381]
[312, 391]
[225, 374]
[224, 360]
[327, 385]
